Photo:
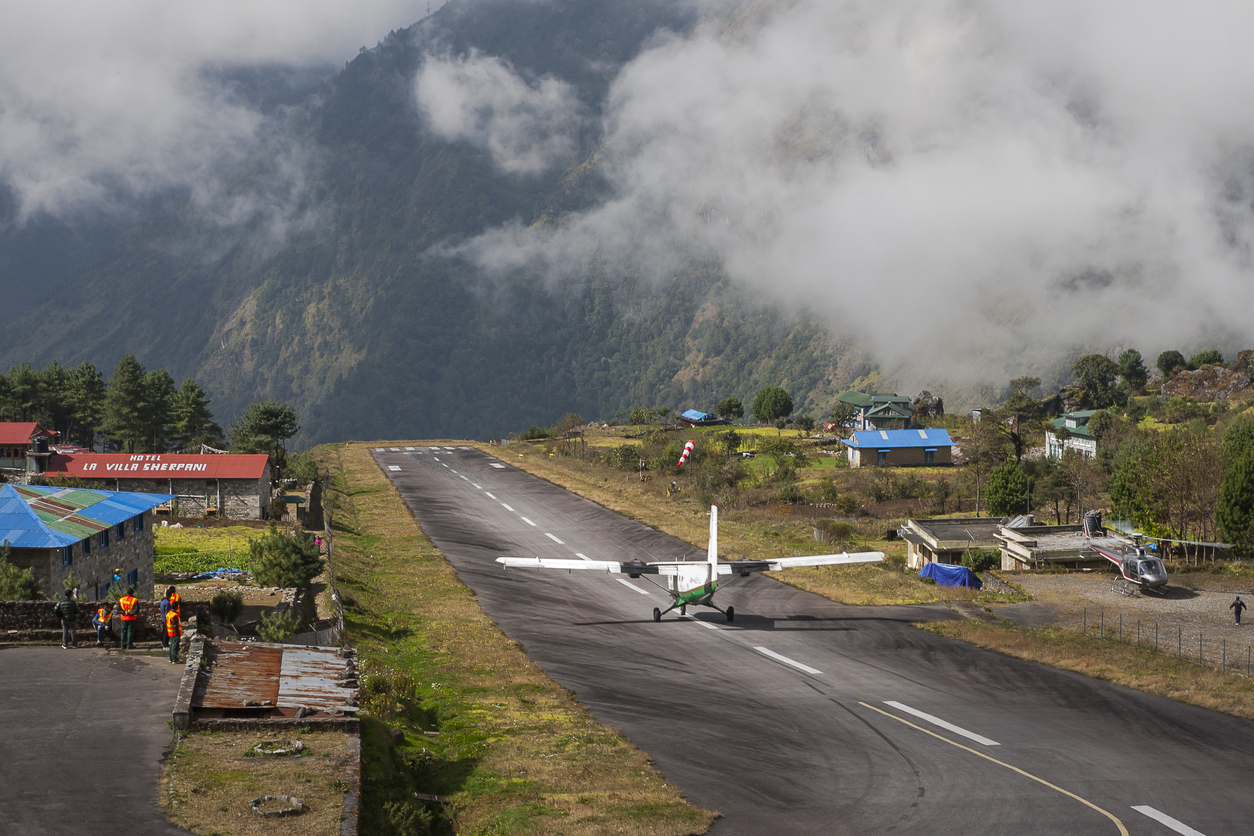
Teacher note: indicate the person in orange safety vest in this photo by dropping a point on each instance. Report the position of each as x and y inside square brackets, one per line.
[128, 606]
[101, 622]
[173, 629]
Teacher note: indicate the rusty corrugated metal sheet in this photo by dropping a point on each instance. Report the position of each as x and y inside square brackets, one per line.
[288, 676]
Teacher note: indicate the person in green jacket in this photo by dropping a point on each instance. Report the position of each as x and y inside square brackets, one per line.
[67, 610]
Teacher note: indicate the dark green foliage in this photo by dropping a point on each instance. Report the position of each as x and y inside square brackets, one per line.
[840, 531]
[302, 468]
[284, 560]
[788, 457]
[772, 403]
[535, 433]
[191, 422]
[1007, 492]
[1095, 375]
[277, 627]
[981, 560]
[842, 414]
[805, 423]
[16, 584]
[159, 395]
[1209, 357]
[1132, 371]
[124, 410]
[623, 457]
[226, 606]
[640, 415]
[1169, 361]
[1234, 511]
[730, 408]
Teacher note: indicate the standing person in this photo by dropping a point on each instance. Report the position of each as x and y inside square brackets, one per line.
[1236, 607]
[128, 606]
[67, 610]
[173, 630]
[169, 602]
[101, 622]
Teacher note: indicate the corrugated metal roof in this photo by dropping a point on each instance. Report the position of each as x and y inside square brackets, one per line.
[160, 465]
[19, 432]
[37, 517]
[878, 439]
[289, 676]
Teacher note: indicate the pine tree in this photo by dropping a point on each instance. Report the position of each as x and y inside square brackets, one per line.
[158, 403]
[191, 422]
[1234, 511]
[1007, 492]
[124, 405]
[86, 400]
[284, 560]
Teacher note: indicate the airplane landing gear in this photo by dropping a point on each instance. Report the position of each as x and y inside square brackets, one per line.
[731, 613]
[683, 610]
[657, 614]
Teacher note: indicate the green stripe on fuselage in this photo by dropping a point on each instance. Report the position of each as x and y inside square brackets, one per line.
[699, 596]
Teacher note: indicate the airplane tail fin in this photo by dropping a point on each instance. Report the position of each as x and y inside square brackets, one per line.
[712, 552]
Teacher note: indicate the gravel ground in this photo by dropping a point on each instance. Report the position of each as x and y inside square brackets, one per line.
[1195, 607]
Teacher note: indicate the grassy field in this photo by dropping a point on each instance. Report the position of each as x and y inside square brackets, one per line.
[481, 724]
[191, 549]
[1113, 661]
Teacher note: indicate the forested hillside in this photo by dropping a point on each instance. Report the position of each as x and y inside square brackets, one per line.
[344, 293]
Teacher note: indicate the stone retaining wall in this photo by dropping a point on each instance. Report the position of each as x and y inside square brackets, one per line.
[31, 620]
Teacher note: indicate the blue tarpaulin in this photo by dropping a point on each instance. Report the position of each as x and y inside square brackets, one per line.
[949, 575]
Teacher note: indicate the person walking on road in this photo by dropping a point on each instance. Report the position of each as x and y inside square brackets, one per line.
[1236, 607]
[171, 601]
[67, 610]
[173, 630]
[128, 606]
[101, 622]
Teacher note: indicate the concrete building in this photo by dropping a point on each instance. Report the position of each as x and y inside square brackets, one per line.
[1078, 436]
[899, 448]
[1038, 546]
[96, 536]
[236, 486]
[947, 540]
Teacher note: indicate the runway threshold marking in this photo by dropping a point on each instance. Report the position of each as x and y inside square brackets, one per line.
[780, 658]
[1122, 830]
[936, 721]
[393, 467]
[628, 584]
[527, 521]
[554, 538]
[1163, 818]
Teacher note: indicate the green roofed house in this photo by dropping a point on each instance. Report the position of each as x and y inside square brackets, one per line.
[1077, 436]
[91, 534]
[879, 412]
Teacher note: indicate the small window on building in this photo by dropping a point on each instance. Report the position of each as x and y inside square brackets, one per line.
[102, 594]
[67, 556]
[104, 539]
[137, 524]
[87, 546]
[132, 578]
[121, 530]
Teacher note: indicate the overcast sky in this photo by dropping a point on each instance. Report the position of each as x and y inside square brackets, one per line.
[978, 182]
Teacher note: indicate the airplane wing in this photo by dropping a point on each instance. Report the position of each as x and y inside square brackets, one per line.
[737, 567]
[608, 566]
[744, 567]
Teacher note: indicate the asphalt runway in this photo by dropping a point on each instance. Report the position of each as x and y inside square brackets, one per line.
[84, 734]
[804, 716]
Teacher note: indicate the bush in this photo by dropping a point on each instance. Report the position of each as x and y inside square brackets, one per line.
[980, 560]
[623, 457]
[838, 530]
[226, 606]
[302, 468]
[16, 584]
[284, 560]
[534, 433]
[277, 627]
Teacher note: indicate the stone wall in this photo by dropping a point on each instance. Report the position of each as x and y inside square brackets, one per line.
[36, 617]
[237, 499]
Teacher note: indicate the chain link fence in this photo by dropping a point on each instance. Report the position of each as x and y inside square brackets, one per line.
[1184, 641]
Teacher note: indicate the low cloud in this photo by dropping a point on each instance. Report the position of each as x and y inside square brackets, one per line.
[975, 187]
[527, 127]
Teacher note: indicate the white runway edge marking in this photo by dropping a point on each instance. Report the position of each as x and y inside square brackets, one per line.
[396, 449]
[393, 467]
[501, 466]
[585, 557]
[779, 658]
[554, 539]
[936, 721]
[507, 508]
[409, 448]
[379, 450]
[527, 521]
[490, 496]
[628, 584]
[1163, 818]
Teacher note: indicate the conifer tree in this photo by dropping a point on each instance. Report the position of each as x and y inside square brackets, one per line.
[1007, 492]
[158, 403]
[1234, 510]
[85, 397]
[191, 422]
[284, 560]
[124, 407]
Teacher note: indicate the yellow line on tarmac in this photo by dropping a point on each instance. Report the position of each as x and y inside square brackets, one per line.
[1122, 830]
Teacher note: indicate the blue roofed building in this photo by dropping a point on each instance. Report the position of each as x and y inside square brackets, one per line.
[697, 418]
[899, 448]
[91, 535]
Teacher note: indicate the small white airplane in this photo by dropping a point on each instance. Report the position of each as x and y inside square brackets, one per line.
[691, 582]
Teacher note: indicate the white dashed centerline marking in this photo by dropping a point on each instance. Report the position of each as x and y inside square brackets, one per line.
[585, 557]
[707, 625]
[527, 521]
[393, 467]
[463, 477]
[936, 721]
[1163, 818]
[477, 486]
[490, 496]
[445, 465]
[451, 470]
[630, 586]
[507, 508]
[777, 657]
[554, 539]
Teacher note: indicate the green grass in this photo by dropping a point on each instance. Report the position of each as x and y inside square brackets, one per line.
[202, 561]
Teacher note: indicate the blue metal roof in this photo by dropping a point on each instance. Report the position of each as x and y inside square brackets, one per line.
[697, 415]
[22, 527]
[881, 439]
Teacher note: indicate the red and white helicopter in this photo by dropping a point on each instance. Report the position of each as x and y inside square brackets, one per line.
[1136, 567]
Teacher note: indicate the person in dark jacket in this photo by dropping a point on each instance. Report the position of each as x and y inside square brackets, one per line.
[1236, 607]
[67, 610]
